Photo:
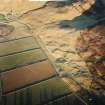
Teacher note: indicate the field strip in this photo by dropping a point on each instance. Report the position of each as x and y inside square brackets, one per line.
[69, 85]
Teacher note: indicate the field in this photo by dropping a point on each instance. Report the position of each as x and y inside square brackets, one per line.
[37, 94]
[27, 75]
[19, 59]
[18, 45]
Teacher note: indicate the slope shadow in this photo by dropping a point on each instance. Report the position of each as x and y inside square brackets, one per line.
[63, 3]
[91, 97]
[90, 18]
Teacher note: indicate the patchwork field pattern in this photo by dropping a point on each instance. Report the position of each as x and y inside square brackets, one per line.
[28, 77]
[23, 63]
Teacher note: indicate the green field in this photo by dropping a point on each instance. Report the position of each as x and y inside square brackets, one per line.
[37, 94]
[67, 100]
[24, 58]
[18, 45]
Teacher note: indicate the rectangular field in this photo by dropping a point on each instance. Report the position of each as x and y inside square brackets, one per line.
[18, 45]
[67, 100]
[27, 75]
[38, 94]
[19, 59]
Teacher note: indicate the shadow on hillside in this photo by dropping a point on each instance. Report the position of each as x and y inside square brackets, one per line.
[90, 18]
[91, 97]
[63, 3]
